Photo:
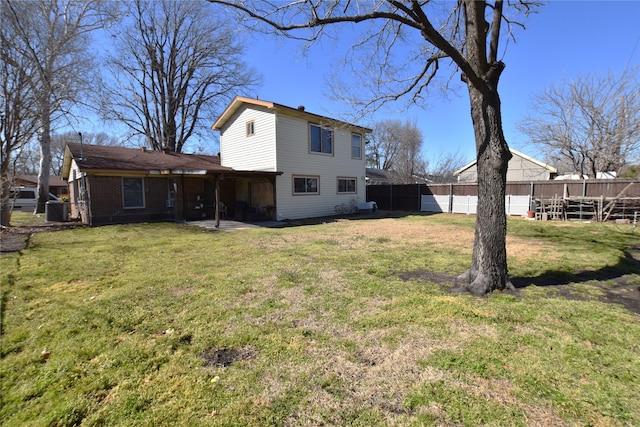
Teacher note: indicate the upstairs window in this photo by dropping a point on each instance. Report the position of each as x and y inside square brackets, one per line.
[320, 139]
[251, 128]
[356, 146]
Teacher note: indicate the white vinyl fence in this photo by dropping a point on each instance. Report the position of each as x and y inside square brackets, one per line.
[431, 203]
[518, 205]
[515, 205]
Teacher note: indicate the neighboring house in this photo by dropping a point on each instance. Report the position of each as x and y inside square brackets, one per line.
[56, 185]
[319, 161]
[390, 177]
[118, 185]
[521, 168]
[378, 177]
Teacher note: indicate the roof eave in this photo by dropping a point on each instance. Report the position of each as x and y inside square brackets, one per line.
[237, 102]
[66, 163]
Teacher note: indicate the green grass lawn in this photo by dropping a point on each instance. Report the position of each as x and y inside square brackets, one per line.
[328, 324]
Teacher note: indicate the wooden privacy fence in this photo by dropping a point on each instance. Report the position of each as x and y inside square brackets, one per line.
[599, 200]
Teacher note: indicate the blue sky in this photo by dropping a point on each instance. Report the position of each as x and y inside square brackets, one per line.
[563, 40]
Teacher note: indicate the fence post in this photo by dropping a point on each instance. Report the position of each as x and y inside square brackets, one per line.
[601, 209]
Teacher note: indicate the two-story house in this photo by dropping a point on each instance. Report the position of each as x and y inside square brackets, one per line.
[275, 163]
[318, 162]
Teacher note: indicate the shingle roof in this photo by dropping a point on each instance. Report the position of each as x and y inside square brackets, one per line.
[100, 157]
[239, 101]
[54, 181]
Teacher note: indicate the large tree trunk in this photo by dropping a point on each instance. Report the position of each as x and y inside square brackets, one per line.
[44, 140]
[5, 205]
[488, 271]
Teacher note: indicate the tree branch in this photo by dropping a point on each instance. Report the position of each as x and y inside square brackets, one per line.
[495, 32]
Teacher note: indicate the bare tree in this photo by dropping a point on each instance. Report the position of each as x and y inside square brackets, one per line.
[59, 142]
[382, 147]
[176, 67]
[467, 35]
[53, 36]
[396, 147]
[590, 124]
[18, 122]
[26, 163]
[444, 167]
[27, 159]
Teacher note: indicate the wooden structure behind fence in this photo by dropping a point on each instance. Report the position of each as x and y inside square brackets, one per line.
[599, 200]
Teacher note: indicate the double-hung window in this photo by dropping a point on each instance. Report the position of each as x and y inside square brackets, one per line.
[132, 193]
[305, 185]
[356, 146]
[347, 185]
[320, 139]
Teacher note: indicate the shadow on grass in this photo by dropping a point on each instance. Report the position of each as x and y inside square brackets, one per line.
[628, 264]
[619, 283]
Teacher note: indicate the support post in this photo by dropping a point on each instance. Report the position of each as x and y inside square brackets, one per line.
[217, 207]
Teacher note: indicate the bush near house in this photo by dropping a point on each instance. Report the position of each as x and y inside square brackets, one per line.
[349, 322]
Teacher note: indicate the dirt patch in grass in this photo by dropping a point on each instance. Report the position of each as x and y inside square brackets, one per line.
[12, 240]
[625, 294]
[15, 239]
[223, 357]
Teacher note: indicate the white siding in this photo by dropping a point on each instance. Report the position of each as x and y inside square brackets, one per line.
[74, 171]
[521, 169]
[294, 158]
[256, 152]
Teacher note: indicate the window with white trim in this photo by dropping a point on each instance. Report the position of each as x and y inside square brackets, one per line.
[347, 185]
[306, 185]
[356, 146]
[251, 128]
[320, 139]
[133, 193]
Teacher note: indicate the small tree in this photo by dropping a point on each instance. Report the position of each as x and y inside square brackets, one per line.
[176, 66]
[465, 33]
[588, 125]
